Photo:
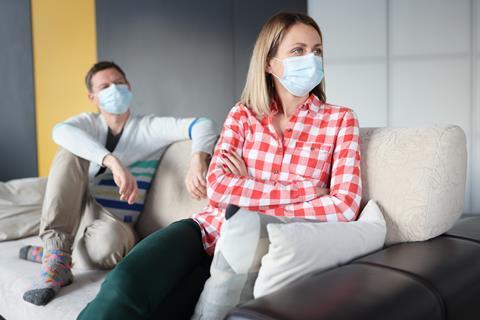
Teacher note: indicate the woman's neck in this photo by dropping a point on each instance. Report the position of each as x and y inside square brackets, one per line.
[287, 102]
[115, 122]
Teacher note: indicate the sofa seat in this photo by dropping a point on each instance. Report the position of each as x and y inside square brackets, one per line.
[17, 275]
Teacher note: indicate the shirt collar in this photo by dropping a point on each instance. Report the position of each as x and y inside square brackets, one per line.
[312, 103]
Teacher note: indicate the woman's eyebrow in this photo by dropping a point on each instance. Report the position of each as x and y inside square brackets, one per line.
[301, 44]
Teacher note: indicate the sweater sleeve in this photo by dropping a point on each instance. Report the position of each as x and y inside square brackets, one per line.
[202, 131]
[245, 191]
[77, 136]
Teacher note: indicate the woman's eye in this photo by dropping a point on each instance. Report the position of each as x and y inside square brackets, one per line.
[297, 51]
[317, 52]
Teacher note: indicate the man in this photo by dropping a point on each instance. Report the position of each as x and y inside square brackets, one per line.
[98, 181]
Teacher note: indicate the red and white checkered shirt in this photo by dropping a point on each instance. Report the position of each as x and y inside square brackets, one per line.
[319, 149]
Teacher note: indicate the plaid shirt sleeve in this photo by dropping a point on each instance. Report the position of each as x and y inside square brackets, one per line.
[254, 194]
[343, 202]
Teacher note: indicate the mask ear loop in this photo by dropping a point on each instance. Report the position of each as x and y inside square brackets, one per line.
[274, 73]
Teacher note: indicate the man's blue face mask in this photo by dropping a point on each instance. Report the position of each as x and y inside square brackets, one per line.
[115, 99]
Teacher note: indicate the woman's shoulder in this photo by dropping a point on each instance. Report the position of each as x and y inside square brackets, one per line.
[338, 110]
[240, 111]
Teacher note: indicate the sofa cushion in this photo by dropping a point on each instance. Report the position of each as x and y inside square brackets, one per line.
[417, 176]
[20, 207]
[16, 276]
[297, 249]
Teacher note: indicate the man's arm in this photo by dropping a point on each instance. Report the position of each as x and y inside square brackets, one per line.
[204, 133]
[77, 136]
[126, 182]
[166, 130]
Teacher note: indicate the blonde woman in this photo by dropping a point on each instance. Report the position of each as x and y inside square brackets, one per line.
[283, 151]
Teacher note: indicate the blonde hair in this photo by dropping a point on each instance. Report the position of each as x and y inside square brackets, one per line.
[259, 92]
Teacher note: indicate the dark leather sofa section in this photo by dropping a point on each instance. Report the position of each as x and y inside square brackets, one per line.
[435, 279]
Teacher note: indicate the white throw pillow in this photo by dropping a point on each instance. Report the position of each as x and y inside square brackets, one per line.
[299, 248]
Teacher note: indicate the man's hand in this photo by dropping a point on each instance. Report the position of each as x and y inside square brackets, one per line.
[195, 180]
[126, 183]
[235, 164]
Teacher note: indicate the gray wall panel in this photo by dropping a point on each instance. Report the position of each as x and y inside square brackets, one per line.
[17, 121]
[184, 57]
[177, 54]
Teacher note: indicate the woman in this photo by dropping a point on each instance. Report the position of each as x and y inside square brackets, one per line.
[283, 151]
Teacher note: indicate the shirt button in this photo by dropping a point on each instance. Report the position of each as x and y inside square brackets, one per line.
[275, 171]
[289, 130]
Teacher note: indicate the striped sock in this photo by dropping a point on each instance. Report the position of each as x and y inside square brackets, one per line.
[31, 253]
[56, 273]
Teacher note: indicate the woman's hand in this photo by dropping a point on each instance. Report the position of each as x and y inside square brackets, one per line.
[125, 181]
[323, 192]
[195, 180]
[235, 165]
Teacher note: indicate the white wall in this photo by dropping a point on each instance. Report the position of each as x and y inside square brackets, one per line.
[406, 63]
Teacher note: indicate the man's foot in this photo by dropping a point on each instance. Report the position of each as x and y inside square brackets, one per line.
[31, 253]
[56, 273]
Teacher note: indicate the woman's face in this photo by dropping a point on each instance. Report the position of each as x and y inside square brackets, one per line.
[300, 39]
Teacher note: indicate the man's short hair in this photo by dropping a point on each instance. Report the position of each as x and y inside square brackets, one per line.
[99, 66]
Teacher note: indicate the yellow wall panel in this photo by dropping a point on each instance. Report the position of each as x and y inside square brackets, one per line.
[64, 48]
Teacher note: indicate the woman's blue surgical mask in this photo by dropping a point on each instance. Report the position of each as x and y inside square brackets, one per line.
[301, 73]
[115, 99]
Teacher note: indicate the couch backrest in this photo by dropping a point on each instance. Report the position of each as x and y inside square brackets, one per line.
[168, 199]
[416, 175]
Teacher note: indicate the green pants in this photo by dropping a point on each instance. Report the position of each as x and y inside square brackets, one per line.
[161, 278]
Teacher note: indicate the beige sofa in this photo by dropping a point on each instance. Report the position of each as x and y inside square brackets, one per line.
[416, 175]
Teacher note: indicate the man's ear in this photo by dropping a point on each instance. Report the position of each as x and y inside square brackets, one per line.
[91, 96]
